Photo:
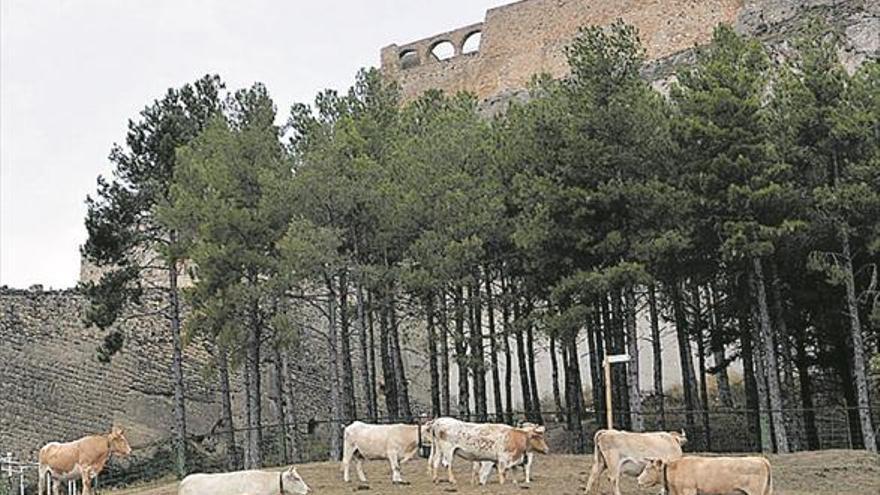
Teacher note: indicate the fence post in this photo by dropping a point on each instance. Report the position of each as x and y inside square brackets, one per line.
[848, 429]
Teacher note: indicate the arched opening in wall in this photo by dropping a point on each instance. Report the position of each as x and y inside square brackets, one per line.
[409, 58]
[472, 42]
[443, 50]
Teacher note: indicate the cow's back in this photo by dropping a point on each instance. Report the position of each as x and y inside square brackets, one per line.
[659, 445]
[60, 457]
[722, 474]
[235, 483]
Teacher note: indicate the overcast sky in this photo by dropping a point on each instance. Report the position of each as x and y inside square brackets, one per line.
[72, 72]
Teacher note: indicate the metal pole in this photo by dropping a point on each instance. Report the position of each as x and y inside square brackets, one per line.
[21, 480]
[609, 417]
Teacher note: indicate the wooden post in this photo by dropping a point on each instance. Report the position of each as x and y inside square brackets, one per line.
[609, 416]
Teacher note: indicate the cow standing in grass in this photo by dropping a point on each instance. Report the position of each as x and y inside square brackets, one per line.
[501, 444]
[396, 443]
[84, 458]
[623, 452]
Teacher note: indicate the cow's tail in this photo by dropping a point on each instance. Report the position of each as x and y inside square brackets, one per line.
[348, 449]
[768, 490]
[597, 450]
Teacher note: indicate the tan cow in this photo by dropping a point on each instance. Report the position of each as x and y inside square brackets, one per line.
[504, 445]
[709, 475]
[485, 467]
[84, 458]
[623, 452]
[397, 443]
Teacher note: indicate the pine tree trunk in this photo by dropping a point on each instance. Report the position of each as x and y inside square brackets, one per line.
[493, 341]
[508, 361]
[369, 391]
[524, 382]
[810, 431]
[255, 433]
[533, 379]
[594, 350]
[444, 357]
[760, 376]
[333, 363]
[478, 363]
[557, 397]
[280, 409]
[717, 346]
[632, 367]
[432, 357]
[753, 404]
[290, 409]
[461, 358]
[403, 404]
[232, 463]
[688, 378]
[601, 318]
[573, 400]
[859, 366]
[619, 372]
[349, 406]
[701, 359]
[177, 370]
[372, 348]
[658, 354]
[774, 388]
[388, 373]
[791, 392]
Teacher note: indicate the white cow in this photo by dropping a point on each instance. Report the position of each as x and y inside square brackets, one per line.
[623, 452]
[397, 443]
[503, 445]
[287, 482]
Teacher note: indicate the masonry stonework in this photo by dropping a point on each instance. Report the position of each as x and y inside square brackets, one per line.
[526, 38]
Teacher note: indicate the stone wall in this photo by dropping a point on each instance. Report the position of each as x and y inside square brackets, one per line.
[529, 37]
[52, 387]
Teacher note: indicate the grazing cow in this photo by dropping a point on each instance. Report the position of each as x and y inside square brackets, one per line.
[287, 482]
[485, 467]
[623, 452]
[397, 443]
[504, 445]
[709, 475]
[84, 458]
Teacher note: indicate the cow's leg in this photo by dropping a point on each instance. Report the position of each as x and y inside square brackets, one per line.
[359, 465]
[346, 461]
[56, 485]
[41, 483]
[528, 466]
[395, 469]
[596, 472]
[449, 458]
[87, 480]
[502, 465]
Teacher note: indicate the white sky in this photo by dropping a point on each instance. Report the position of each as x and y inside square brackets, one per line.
[73, 72]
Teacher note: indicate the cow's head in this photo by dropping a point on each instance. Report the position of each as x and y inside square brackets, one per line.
[118, 442]
[292, 483]
[536, 440]
[652, 474]
[680, 437]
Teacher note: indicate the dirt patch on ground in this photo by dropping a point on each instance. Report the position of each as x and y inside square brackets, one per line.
[832, 472]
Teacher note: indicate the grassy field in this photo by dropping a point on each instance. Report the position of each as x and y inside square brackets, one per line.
[832, 472]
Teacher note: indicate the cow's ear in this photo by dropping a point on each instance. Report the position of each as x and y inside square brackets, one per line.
[540, 429]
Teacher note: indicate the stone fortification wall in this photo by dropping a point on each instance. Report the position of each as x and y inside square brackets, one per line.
[529, 37]
[52, 387]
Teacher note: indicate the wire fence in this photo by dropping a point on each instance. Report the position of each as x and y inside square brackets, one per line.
[730, 431]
